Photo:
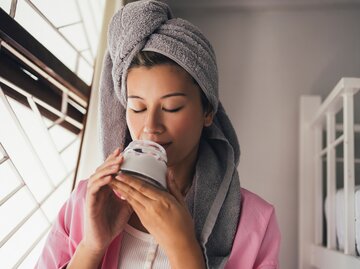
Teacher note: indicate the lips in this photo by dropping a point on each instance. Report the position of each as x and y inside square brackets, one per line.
[164, 145]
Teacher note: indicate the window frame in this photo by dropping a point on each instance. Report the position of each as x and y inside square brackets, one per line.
[19, 51]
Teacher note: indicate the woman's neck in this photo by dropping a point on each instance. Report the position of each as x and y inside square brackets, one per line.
[183, 172]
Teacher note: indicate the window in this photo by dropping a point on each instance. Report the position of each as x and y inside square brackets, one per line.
[47, 53]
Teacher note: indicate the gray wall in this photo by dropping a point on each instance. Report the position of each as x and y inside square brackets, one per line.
[267, 59]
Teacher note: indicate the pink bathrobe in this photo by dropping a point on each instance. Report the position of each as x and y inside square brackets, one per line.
[256, 243]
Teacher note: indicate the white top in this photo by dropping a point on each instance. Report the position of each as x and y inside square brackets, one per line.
[140, 250]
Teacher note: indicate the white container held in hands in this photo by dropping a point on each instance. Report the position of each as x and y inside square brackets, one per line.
[146, 160]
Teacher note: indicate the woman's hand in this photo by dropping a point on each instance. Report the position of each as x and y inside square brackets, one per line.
[106, 214]
[166, 217]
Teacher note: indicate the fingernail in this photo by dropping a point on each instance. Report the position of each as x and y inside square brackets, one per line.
[117, 194]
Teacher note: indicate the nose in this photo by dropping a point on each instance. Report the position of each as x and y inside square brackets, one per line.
[153, 122]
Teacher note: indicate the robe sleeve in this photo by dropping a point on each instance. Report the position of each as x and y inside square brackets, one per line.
[65, 233]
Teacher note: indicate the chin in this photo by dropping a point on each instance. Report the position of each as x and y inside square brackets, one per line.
[171, 161]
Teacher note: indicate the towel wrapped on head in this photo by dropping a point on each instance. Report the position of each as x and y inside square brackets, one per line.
[214, 197]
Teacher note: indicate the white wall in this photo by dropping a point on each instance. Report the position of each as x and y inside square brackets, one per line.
[91, 156]
[267, 58]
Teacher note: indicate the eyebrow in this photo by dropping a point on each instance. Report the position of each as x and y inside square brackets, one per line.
[162, 97]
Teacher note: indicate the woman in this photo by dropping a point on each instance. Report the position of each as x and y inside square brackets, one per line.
[160, 83]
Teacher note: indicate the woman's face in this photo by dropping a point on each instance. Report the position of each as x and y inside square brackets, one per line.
[164, 105]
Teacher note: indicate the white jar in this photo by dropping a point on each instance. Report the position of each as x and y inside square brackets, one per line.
[146, 160]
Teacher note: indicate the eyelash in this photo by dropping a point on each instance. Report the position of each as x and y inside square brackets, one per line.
[166, 110]
[173, 110]
[138, 111]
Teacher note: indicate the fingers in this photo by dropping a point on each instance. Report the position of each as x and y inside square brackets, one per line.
[105, 172]
[94, 186]
[143, 192]
[137, 200]
[113, 158]
[114, 186]
[114, 153]
[110, 168]
[139, 185]
[104, 176]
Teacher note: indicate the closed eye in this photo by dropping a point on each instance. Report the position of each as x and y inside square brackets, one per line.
[138, 111]
[173, 110]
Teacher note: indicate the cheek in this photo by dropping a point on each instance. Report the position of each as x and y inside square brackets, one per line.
[187, 127]
[134, 125]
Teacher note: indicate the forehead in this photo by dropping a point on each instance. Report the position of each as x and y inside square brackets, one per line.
[159, 79]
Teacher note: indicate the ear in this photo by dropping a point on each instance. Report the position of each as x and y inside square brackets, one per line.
[208, 118]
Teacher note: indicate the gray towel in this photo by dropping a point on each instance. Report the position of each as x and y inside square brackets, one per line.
[214, 197]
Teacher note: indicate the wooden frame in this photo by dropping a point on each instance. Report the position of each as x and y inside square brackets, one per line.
[313, 116]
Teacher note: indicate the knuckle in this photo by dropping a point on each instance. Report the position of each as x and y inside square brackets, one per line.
[92, 179]
[113, 168]
[131, 191]
[116, 166]
[106, 177]
[142, 187]
[165, 205]
[158, 210]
